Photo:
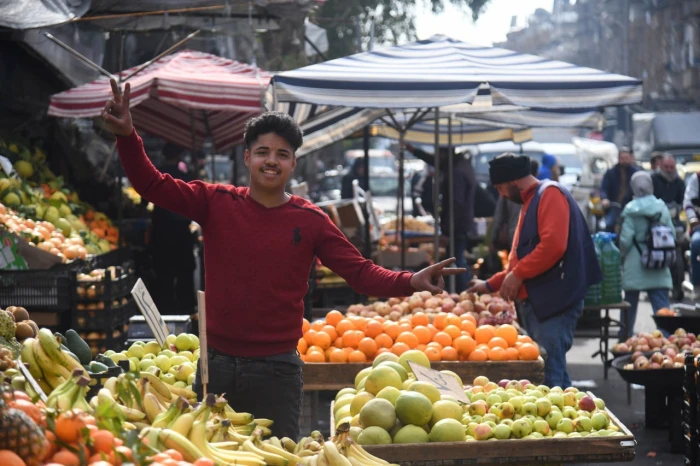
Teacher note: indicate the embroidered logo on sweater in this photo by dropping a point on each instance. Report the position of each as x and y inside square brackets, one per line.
[297, 236]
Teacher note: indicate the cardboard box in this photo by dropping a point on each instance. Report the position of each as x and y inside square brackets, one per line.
[35, 257]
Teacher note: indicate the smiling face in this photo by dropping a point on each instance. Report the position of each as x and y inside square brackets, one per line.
[271, 162]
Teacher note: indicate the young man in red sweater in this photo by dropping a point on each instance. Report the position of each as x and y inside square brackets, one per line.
[260, 245]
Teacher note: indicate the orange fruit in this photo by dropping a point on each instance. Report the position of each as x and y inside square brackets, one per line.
[448, 353]
[512, 354]
[498, 342]
[453, 331]
[204, 462]
[409, 338]
[333, 317]
[468, 317]
[508, 333]
[406, 327]
[327, 353]
[469, 327]
[344, 326]
[464, 345]
[357, 356]
[420, 318]
[317, 325]
[484, 333]
[421, 347]
[529, 352]
[322, 340]
[305, 326]
[433, 353]
[392, 329]
[432, 329]
[309, 336]
[379, 319]
[174, 454]
[453, 319]
[368, 346]
[302, 346]
[351, 339]
[439, 321]
[66, 458]
[399, 348]
[524, 339]
[337, 355]
[315, 356]
[434, 344]
[318, 349]
[384, 341]
[330, 330]
[360, 323]
[338, 343]
[497, 353]
[382, 350]
[423, 334]
[348, 350]
[443, 338]
[478, 355]
[374, 328]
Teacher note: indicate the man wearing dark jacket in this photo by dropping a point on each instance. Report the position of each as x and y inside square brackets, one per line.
[668, 186]
[357, 172]
[615, 189]
[464, 182]
[422, 188]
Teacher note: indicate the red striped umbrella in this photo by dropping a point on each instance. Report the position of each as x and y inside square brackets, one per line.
[177, 97]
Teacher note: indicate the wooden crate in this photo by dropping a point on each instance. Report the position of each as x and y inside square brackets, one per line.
[336, 376]
[542, 452]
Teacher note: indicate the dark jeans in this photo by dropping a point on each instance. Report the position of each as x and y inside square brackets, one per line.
[267, 389]
[556, 336]
[658, 298]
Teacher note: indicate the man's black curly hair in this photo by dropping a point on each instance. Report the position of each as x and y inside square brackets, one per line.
[274, 122]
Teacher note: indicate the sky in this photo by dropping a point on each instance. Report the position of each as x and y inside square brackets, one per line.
[492, 26]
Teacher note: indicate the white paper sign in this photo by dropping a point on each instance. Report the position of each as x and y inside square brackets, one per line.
[203, 354]
[445, 383]
[6, 165]
[31, 380]
[150, 312]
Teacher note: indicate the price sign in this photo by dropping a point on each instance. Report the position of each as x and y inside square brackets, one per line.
[203, 354]
[31, 380]
[150, 312]
[445, 383]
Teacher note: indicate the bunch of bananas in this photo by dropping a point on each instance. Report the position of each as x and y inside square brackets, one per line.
[70, 394]
[47, 362]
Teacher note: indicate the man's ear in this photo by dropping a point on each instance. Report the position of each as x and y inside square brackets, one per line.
[246, 158]
[294, 161]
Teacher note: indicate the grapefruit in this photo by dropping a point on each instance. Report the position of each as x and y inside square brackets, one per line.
[359, 401]
[444, 409]
[427, 389]
[413, 408]
[381, 377]
[344, 400]
[345, 391]
[384, 357]
[397, 367]
[379, 413]
[448, 430]
[415, 356]
[411, 434]
[390, 394]
[361, 375]
[374, 436]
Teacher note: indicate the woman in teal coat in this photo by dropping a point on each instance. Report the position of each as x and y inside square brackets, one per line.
[635, 223]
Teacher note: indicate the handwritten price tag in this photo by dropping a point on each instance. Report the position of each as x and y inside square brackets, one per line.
[150, 312]
[203, 354]
[31, 380]
[445, 383]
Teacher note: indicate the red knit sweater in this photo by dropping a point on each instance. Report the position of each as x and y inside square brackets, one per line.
[257, 259]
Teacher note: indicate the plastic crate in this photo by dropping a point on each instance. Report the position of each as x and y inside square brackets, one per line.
[97, 381]
[118, 257]
[108, 289]
[103, 315]
[38, 290]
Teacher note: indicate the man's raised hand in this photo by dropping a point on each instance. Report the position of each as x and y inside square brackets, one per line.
[116, 114]
[431, 278]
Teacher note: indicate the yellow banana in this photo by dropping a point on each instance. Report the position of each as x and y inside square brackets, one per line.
[128, 425]
[359, 453]
[331, 453]
[262, 422]
[182, 424]
[272, 459]
[53, 349]
[152, 407]
[274, 449]
[46, 364]
[198, 438]
[53, 380]
[183, 392]
[230, 445]
[162, 391]
[322, 459]
[111, 385]
[28, 358]
[132, 415]
[238, 419]
[288, 444]
[174, 440]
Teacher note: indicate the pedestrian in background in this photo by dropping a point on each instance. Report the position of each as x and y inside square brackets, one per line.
[549, 170]
[644, 209]
[668, 186]
[614, 190]
[655, 161]
[357, 172]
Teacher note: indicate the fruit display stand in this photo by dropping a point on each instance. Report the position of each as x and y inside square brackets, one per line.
[605, 322]
[336, 376]
[683, 316]
[540, 452]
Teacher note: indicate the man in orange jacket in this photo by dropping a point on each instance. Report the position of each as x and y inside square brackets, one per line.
[551, 264]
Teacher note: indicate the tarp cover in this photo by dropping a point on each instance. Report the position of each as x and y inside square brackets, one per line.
[676, 131]
[28, 14]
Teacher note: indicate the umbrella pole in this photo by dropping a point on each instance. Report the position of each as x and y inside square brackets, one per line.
[451, 203]
[436, 187]
[366, 212]
[400, 210]
[211, 136]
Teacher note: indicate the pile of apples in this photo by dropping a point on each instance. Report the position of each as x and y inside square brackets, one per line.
[486, 309]
[678, 342]
[668, 359]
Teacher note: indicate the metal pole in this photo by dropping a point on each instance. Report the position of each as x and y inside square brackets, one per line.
[366, 213]
[80, 56]
[400, 208]
[451, 202]
[436, 187]
[213, 145]
[167, 52]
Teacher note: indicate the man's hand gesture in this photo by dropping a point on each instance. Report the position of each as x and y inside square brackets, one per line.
[431, 278]
[116, 113]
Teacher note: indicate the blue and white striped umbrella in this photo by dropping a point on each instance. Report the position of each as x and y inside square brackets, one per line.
[442, 71]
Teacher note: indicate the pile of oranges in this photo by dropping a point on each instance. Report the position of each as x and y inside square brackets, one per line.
[442, 337]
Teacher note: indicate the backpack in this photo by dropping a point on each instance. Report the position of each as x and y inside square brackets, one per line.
[661, 245]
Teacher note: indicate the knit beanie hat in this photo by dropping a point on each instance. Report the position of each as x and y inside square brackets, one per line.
[642, 185]
[509, 167]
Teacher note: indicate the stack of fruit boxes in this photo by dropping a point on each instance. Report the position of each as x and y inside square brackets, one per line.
[690, 411]
[103, 309]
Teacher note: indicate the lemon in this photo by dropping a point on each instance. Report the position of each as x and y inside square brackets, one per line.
[24, 169]
[64, 225]
[58, 196]
[11, 200]
[64, 211]
[52, 215]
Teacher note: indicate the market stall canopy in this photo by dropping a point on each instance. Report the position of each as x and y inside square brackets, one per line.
[28, 14]
[442, 71]
[462, 133]
[182, 98]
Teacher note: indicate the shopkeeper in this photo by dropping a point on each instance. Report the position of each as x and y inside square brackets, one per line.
[261, 243]
[551, 264]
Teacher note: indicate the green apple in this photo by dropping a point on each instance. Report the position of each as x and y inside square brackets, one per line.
[177, 360]
[135, 351]
[180, 384]
[116, 357]
[145, 364]
[183, 342]
[186, 354]
[190, 379]
[148, 356]
[151, 347]
[195, 341]
[168, 378]
[170, 339]
[108, 353]
[163, 362]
